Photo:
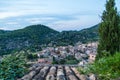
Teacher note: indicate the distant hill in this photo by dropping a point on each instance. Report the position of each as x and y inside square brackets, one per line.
[35, 36]
[72, 37]
[31, 37]
[2, 31]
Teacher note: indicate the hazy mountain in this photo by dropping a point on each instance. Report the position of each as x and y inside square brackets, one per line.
[35, 36]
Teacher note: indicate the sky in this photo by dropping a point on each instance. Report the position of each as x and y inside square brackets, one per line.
[57, 14]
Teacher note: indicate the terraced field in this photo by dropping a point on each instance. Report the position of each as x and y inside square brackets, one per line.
[54, 73]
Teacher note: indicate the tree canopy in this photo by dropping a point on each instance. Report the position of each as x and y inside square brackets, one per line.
[109, 31]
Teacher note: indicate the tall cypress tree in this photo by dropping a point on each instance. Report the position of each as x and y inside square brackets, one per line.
[109, 30]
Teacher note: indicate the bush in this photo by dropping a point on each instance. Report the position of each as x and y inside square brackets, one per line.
[12, 67]
[106, 68]
[32, 56]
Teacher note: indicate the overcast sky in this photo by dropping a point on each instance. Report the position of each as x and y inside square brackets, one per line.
[57, 14]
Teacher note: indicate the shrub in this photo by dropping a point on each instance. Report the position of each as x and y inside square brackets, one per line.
[12, 67]
[32, 56]
[106, 68]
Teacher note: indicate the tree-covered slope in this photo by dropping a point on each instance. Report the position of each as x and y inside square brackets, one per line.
[30, 37]
[3, 32]
[34, 36]
[72, 37]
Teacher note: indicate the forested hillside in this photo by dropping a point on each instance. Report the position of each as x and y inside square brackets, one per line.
[35, 36]
[30, 37]
[72, 37]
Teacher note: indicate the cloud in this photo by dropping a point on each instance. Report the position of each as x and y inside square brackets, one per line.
[3, 28]
[15, 8]
[77, 23]
[58, 14]
[4, 15]
[40, 20]
[12, 23]
[36, 22]
[60, 23]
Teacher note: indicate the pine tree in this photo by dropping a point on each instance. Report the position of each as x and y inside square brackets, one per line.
[109, 31]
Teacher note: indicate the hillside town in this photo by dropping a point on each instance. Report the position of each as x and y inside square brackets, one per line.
[83, 53]
[44, 69]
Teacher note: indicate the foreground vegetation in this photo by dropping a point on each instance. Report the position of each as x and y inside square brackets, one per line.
[107, 64]
[12, 67]
[109, 30]
[106, 68]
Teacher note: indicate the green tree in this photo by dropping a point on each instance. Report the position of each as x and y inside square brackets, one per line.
[13, 66]
[109, 31]
[32, 56]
